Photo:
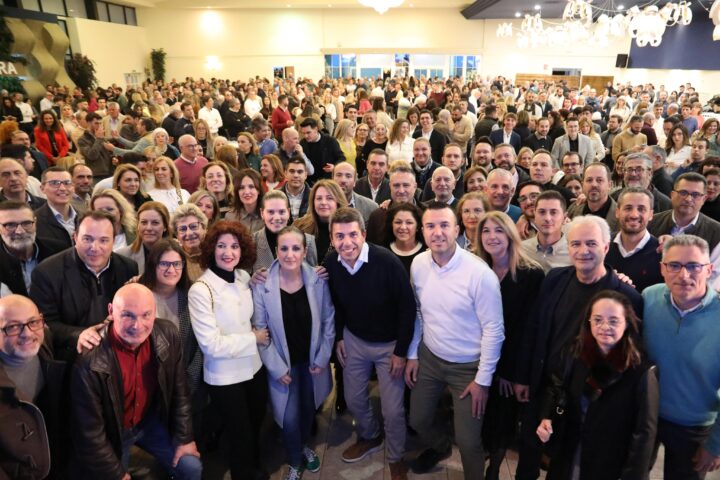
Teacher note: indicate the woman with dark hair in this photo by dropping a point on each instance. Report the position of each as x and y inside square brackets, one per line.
[556, 125]
[221, 308]
[325, 197]
[166, 275]
[294, 304]
[249, 195]
[128, 180]
[378, 106]
[413, 116]
[153, 225]
[475, 179]
[272, 172]
[50, 137]
[677, 147]
[403, 232]
[573, 183]
[601, 410]
[500, 246]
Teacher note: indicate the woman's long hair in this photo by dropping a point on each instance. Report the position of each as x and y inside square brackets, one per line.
[517, 258]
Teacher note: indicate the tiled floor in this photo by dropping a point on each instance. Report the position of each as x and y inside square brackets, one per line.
[334, 435]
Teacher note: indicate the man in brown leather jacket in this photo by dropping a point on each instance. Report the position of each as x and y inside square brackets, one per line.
[131, 390]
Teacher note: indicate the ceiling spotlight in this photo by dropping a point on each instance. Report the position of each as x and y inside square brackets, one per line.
[621, 7]
[537, 7]
[518, 14]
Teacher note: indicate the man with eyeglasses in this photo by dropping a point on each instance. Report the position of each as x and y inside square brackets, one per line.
[638, 173]
[555, 325]
[189, 225]
[56, 219]
[72, 289]
[33, 402]
[681, 337]
[14, 184]
[528, 193]
[571, 164]
[688, 197]
[20, 250]
[190, 163]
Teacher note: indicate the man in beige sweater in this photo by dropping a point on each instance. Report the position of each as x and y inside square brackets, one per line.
[629, 138]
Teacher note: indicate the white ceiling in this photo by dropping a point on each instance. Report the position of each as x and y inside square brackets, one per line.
[226, 4]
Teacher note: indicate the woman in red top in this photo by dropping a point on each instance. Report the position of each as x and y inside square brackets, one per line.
[50, 137]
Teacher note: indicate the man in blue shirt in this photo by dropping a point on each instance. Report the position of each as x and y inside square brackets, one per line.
[682, 338]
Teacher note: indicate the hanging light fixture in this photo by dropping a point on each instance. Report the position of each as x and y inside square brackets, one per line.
[381, 6]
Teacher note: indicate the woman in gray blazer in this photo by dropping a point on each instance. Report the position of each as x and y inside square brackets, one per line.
[275, 212]
[294, 304]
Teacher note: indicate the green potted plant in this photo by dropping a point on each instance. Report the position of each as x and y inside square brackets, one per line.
[81, 70]
[157, 57]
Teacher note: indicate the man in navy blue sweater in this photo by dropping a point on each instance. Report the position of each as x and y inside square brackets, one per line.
[375, 317]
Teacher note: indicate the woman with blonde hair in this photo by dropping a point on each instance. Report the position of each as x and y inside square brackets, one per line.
[125, 226]
[204, 138]
[586, 128]
[167, 185]
[272, 173]
[153, 225]
[207, 203]
[400, 142]
[500, 246]
[345, 135]
[249, 148]
[217, 180]
[325, 197]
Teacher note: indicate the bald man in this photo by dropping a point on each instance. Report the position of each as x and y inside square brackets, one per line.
[442, 184]
[152, 410]
[30, 430]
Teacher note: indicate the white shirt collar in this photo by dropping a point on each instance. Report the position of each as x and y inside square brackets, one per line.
[618, 241]
[678, 230]
[361, 260]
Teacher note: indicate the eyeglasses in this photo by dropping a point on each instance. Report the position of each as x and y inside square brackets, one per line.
[685, 194]
[193, 227]
[633, 170]
[525, 198]
[177, 265]
[57, 183]
[16, 329]
[12, 226]
[610, 322]
[692, 267]
[571, 164]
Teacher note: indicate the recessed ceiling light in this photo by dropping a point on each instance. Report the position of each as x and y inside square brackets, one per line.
[411, 5]
[621, 7]
[518, 14]
[537, 7]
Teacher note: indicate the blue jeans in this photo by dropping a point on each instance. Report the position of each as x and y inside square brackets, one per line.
[299, 413]
[153, 437]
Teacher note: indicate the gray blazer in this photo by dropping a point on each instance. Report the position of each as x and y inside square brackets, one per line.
[364, 205]
[265, 257]
[586, 149]
[138, 257]
[276, 356]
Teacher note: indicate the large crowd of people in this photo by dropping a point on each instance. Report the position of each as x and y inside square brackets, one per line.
[180, 259]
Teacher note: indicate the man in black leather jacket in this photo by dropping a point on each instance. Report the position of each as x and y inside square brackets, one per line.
[131, 390]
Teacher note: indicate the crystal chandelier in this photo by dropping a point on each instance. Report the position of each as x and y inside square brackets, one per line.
[646, 25]
[381, 6]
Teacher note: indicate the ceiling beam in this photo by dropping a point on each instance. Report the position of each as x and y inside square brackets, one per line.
[472, 12]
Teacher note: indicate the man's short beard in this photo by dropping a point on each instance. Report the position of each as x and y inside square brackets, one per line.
[23, 243]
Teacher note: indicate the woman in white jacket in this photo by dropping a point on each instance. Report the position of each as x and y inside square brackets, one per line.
[221, 308]
[294, 304]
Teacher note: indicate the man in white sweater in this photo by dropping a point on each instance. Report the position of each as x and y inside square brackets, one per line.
[458, 337]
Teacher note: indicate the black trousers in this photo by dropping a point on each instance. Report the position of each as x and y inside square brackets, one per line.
[242, 407]
[681, 444]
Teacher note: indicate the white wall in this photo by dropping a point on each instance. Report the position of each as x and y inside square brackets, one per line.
[115, 49]
[249, 42]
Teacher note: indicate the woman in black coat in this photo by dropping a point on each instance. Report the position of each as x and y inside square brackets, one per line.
[520, 278]
[601, 411]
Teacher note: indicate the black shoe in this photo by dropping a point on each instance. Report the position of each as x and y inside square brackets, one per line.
[428, 459]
